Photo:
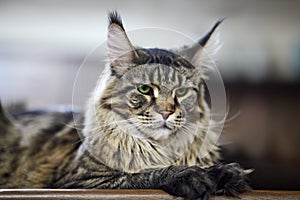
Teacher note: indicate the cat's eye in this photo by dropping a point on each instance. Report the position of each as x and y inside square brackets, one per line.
[180, 92]
[144, 89]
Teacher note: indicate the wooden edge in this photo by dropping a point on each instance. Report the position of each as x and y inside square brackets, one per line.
[126, 194]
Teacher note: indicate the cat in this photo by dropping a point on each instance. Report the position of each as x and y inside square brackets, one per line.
[142, 129]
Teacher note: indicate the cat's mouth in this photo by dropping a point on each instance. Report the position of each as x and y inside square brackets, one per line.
[162, 125]
[165, 126]
[159, 131]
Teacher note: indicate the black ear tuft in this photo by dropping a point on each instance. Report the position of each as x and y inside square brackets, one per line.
[202, 42]
[115, 18]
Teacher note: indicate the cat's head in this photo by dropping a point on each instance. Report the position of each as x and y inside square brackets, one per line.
[154, 92]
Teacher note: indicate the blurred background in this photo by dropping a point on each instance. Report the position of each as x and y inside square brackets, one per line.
[43, 43]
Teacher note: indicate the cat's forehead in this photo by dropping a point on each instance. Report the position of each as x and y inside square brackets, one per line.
[159, 74]
[162, 56]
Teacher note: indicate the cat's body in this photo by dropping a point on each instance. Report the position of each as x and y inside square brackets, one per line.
[144, 127]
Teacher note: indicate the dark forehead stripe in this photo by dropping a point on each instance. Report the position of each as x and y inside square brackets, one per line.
[162, 56]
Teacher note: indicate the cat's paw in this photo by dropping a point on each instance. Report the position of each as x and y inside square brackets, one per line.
[230, 179]
[188, 182]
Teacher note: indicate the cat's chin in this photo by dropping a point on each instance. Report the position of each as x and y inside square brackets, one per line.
[161, 133]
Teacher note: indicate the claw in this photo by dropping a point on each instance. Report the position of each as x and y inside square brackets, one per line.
[247, 171]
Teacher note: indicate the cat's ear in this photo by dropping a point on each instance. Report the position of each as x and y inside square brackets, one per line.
[202, 53]
[120, 50]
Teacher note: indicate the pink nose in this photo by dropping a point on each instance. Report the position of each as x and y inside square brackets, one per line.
[165, 113]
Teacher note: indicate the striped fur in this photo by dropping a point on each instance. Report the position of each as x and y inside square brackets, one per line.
[146, 126]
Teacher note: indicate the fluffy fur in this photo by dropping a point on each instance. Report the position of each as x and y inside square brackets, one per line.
[144, 128]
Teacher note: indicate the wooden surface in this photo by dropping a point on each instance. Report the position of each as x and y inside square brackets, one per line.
[128, 194]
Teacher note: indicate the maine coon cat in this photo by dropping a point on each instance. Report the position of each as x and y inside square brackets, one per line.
[143, 128]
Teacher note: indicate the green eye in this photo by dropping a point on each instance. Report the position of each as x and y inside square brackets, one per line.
[181, 92]
[144, 89]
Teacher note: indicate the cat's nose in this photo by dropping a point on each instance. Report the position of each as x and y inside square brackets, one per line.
[165, 113]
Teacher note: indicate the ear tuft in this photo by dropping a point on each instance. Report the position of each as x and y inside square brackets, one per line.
[120, 50]
[202, 42]
[202, 53]
[115, 18]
